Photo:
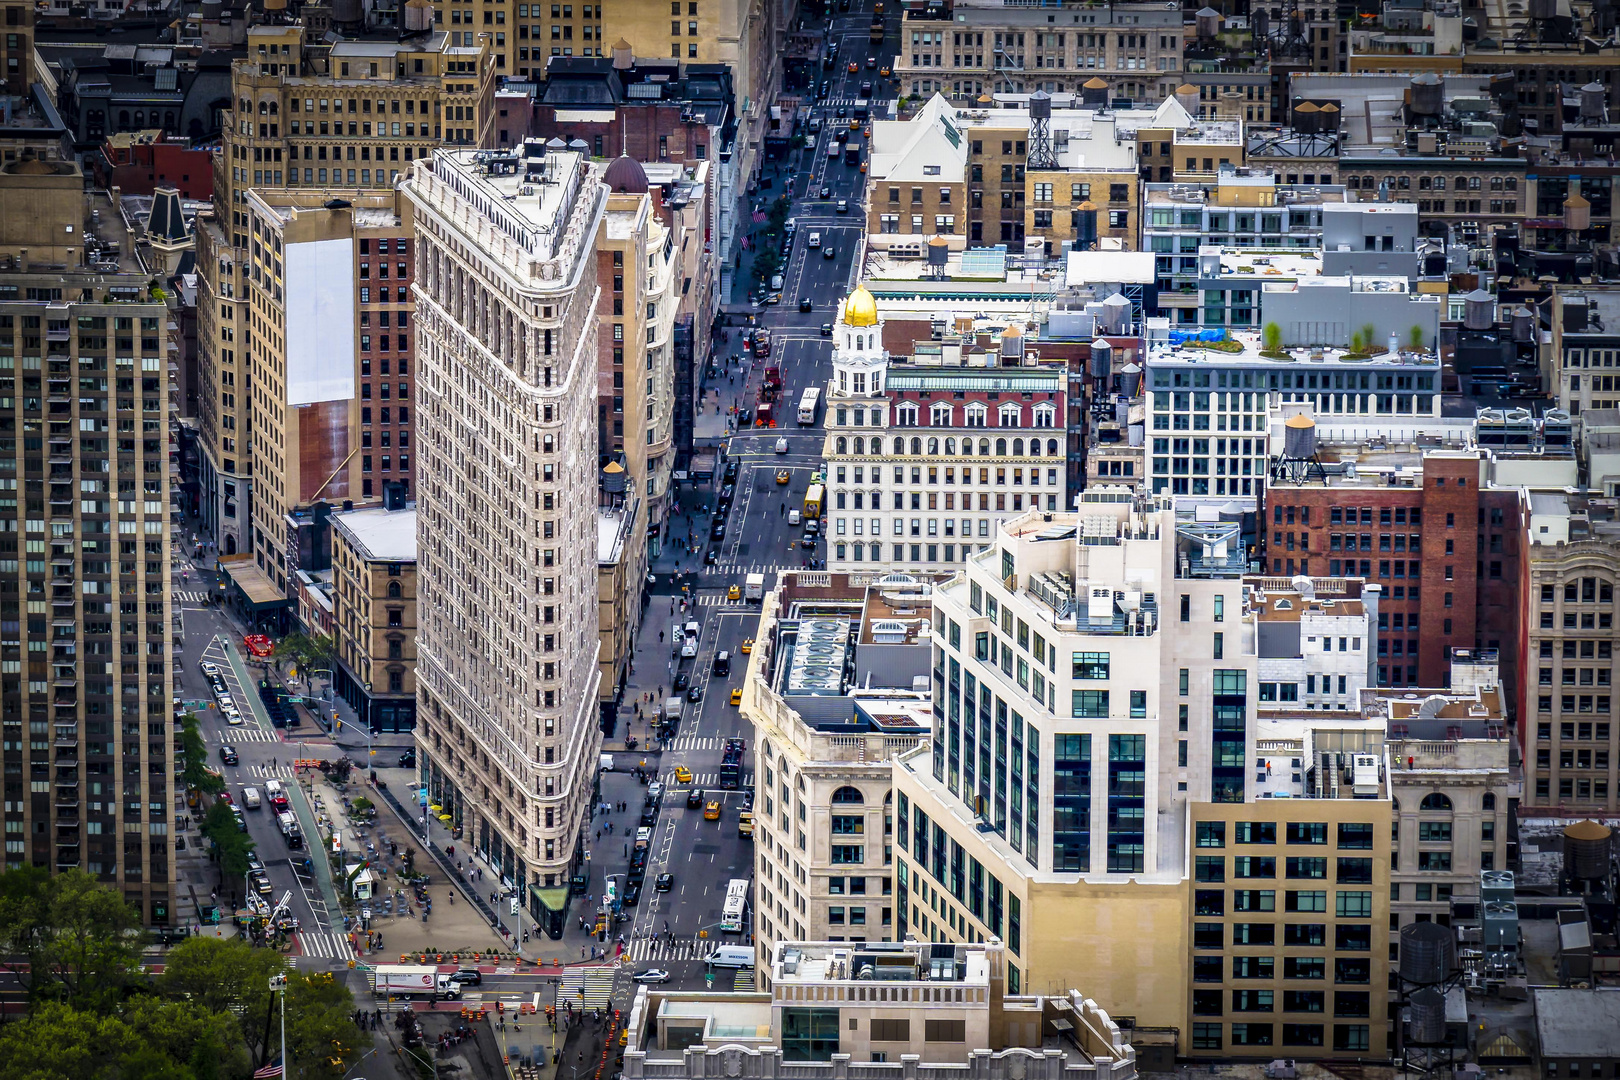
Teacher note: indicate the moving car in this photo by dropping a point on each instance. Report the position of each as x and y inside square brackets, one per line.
[826, 329]
[695, 694]
[694, 798]
[717, 531]
[711, 557]
[468, 977]
[854, 66]
[682, 680]
[632, 894]
[747, 646]
[783, 475]
[829, 252]
[805, 304]
[734, 593]
[814, 240]
[227, 754]
[407, 760]
[843, 206]
[782, 445]
[794, 516]
[871, 62]
[664, 882]
[711, 811]
[683, 775]
[736, 695]
[826, 192]
[650, 975]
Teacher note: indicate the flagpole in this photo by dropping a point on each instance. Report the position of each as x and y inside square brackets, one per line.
[285, 1072]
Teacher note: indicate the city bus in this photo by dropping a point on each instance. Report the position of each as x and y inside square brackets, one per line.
[734, 916]
[808, 403]
[812, 500]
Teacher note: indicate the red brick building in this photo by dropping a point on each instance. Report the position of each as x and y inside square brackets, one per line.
[1444, 549]
[139, 161]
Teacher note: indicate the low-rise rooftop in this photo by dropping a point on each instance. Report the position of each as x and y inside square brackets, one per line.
[380, 535]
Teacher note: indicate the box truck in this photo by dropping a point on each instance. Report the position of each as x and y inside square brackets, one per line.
[754, 587]
[413, 980]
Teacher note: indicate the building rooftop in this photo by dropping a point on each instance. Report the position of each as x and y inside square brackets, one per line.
[1259, 264]
[796, 963]
[528, 191]
[1577, 1023]
[612, 530]
[1247, 349]
[380, 535]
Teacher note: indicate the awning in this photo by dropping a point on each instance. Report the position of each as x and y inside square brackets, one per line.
[254, 585]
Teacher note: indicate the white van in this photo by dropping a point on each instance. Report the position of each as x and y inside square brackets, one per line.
[250, 798]
[776, 283]
[731, 956]
[815, 240]
[606, 763]
[794, 517]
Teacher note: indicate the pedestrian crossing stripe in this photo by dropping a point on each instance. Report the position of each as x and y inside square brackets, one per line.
[593, 985]
[247, 733]
[744, 981]
[332, 945]
[190, 596]
[286, 772]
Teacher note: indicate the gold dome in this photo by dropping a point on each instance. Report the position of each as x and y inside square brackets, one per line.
[861, 308]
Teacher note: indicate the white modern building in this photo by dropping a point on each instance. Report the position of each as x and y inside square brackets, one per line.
[1317, 639]
[508, 636]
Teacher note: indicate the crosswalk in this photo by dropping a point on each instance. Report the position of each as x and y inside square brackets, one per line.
[272, 772]
[330, 944]
[718, 599]
[705, 780]
[661, 949]
[194, 597]
[593, 984]
[695, 743]
[245, 733]
[744, 983]
[737, 566]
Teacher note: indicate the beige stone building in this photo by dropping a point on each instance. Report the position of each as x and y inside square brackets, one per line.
[823, 812]
[507, 313]
[1570, 566]
[973, 47]
[85, 566]
[309, 123]
[374, 615]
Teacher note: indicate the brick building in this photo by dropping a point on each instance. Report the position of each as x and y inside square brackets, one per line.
[1421, 526]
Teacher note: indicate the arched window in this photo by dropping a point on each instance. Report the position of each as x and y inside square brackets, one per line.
[950, 446]
[984, 447]
[848, 796]
[916, 447]
[860, 445]
[393, 590]
[1490, 801]
[1034, 448]
[967, 447]
[933, 447]
[1435, 801]
[877, 445]
[1001, 448]
[1018, 448]
[841, 446]
[1051, 448]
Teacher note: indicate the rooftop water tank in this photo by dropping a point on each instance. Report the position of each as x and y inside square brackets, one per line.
[1479, 310]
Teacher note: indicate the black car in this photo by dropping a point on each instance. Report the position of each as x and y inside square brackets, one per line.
[664, 882]
[468, 977]
[407, 760]
[638, 861]
[842, 112]
[826, 192]
[227, 754]
[694, 799]
[711, 556]
[682, 679]
[717, 531]
[829, 252]
[632, 894]
[730, 473]
[727, 493]
[744, 417]
[805, 304]
[842, 135]
[695, 694]
[826, 329]
[649, 815]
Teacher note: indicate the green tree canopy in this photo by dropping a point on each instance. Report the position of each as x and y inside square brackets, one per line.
[233, 846]
[77, 941]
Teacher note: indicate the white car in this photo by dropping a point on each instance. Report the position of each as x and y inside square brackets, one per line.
[226, 702]
[651, 975]
[232, 717]
[210, 670]
[814, 241]
[781, 446]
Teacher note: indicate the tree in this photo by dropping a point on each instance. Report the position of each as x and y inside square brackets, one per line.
[320, 1030]
[232, 845]
[1415, 337]
[305, 652]
[1369, 336]
[1273, 337]
[225, 977]
[80, 942]
[196, 773]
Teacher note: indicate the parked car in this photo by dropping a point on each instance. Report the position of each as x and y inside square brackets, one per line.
[407, 760]
[682, 680]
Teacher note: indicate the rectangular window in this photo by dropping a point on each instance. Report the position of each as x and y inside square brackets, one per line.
[1090, 665]
[1090, 704]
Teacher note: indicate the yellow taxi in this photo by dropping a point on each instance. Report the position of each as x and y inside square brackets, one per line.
[683, 775]
[783, 476]
[734, 593]
[747, 646]
[736, 695]
[624, 1037]
[884, 71]
[711, 810]
[854, 67]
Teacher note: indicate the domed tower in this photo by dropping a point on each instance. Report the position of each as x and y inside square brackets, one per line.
[859, 360]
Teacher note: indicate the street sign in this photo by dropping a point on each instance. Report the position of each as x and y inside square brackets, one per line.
[514, 905]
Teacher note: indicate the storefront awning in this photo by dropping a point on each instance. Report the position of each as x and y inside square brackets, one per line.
[254, 585]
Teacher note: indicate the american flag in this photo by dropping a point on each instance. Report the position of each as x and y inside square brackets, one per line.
[759, 216]
[271, 1071]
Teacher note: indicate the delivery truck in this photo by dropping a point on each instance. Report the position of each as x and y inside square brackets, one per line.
[754, 587]
[414, 980]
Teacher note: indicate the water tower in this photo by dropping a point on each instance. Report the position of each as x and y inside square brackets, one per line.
[1298, 463]
[1041, 155]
